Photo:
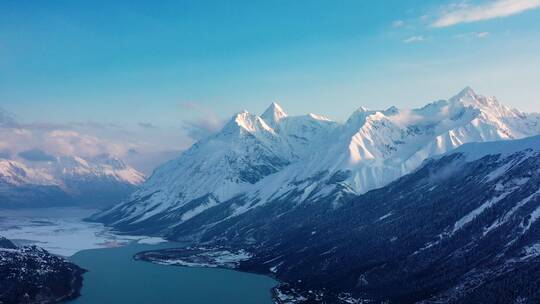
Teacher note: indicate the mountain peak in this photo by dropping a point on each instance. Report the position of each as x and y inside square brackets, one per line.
[468, 97]
[391, 110]
[274, 113]
[358, 117]
[466, 94]
[245, 122]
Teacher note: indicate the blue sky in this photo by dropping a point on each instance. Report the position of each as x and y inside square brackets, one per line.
[146, 66]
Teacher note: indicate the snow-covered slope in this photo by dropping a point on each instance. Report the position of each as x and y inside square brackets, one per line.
[474, 151]
[376, 147]
[16, 173]
[472, 214]
[104, 167]
[255, 159]
[232, 162]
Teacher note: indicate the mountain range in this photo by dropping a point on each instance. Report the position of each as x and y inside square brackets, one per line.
[60, 180]
[438, 204]
[274, 158]
[46, 164]
[461, 228]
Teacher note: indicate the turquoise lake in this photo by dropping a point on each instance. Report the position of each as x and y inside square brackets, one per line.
[114, 277]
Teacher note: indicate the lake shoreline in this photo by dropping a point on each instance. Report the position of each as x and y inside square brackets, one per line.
[76, 286]
[30, 274]
[117, 269]
[230, 259]
[188, 262]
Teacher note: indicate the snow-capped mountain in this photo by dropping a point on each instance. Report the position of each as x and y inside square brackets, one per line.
[16, 173]
[101, 167]
[255, 160]
[43, 165]
[462, 228]
[66, 180]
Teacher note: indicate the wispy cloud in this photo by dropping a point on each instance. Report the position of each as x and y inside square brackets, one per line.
[35, 142]
[36, 155]
[482, 34]
[464, 13]
[473, 35]
[207, 123]
[146, 125]
[96, 125]
[203, 127]
[398, 23]
[39, 141]
[414, 39]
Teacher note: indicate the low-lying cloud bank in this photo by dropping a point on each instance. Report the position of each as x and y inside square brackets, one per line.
[35, 143]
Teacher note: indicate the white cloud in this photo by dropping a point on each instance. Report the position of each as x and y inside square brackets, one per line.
[142, 145]
[490, 10]
[37, 141]
[146, 125]
[203, 127]
[472, 35]
[398, 23]
[482, 34]
[414, 39]
[206, 123]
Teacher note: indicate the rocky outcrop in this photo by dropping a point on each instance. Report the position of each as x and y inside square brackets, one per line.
[32, 275]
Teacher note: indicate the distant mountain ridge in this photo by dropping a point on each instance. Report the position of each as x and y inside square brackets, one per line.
[256, 160]
[66, 180]
[45, 165]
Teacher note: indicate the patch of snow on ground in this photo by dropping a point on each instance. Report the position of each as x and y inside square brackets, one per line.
[229, 258]
[151, 241]
[531, 251]
[274, 269]
[384, 216]
[509, 214]
[534, 216]
[476, 212]
[210, 258]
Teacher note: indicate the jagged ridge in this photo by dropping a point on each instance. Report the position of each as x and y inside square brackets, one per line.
[258, 159]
